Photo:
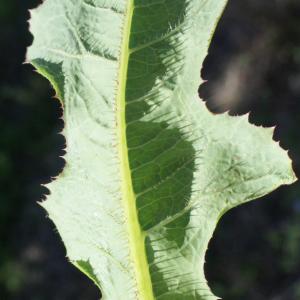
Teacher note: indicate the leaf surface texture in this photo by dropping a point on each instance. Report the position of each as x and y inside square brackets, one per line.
[149, 170]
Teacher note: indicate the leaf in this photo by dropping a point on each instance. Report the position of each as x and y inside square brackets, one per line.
[149, 170]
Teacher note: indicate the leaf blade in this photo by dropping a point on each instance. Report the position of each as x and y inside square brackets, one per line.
[149, 169]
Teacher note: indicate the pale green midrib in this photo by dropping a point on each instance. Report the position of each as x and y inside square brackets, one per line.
[136, 235]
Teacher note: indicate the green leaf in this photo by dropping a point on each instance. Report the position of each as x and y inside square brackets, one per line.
[149, 170]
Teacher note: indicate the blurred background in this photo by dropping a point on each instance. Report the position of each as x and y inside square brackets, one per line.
[254, 65]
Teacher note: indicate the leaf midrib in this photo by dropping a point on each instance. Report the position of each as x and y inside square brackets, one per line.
[136, 236]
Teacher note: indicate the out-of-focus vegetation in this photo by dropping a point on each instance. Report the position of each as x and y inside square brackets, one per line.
[254, 64]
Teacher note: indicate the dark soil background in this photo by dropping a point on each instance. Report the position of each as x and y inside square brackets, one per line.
[254, 65]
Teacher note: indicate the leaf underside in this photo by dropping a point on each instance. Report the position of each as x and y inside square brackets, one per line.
[149, 170]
